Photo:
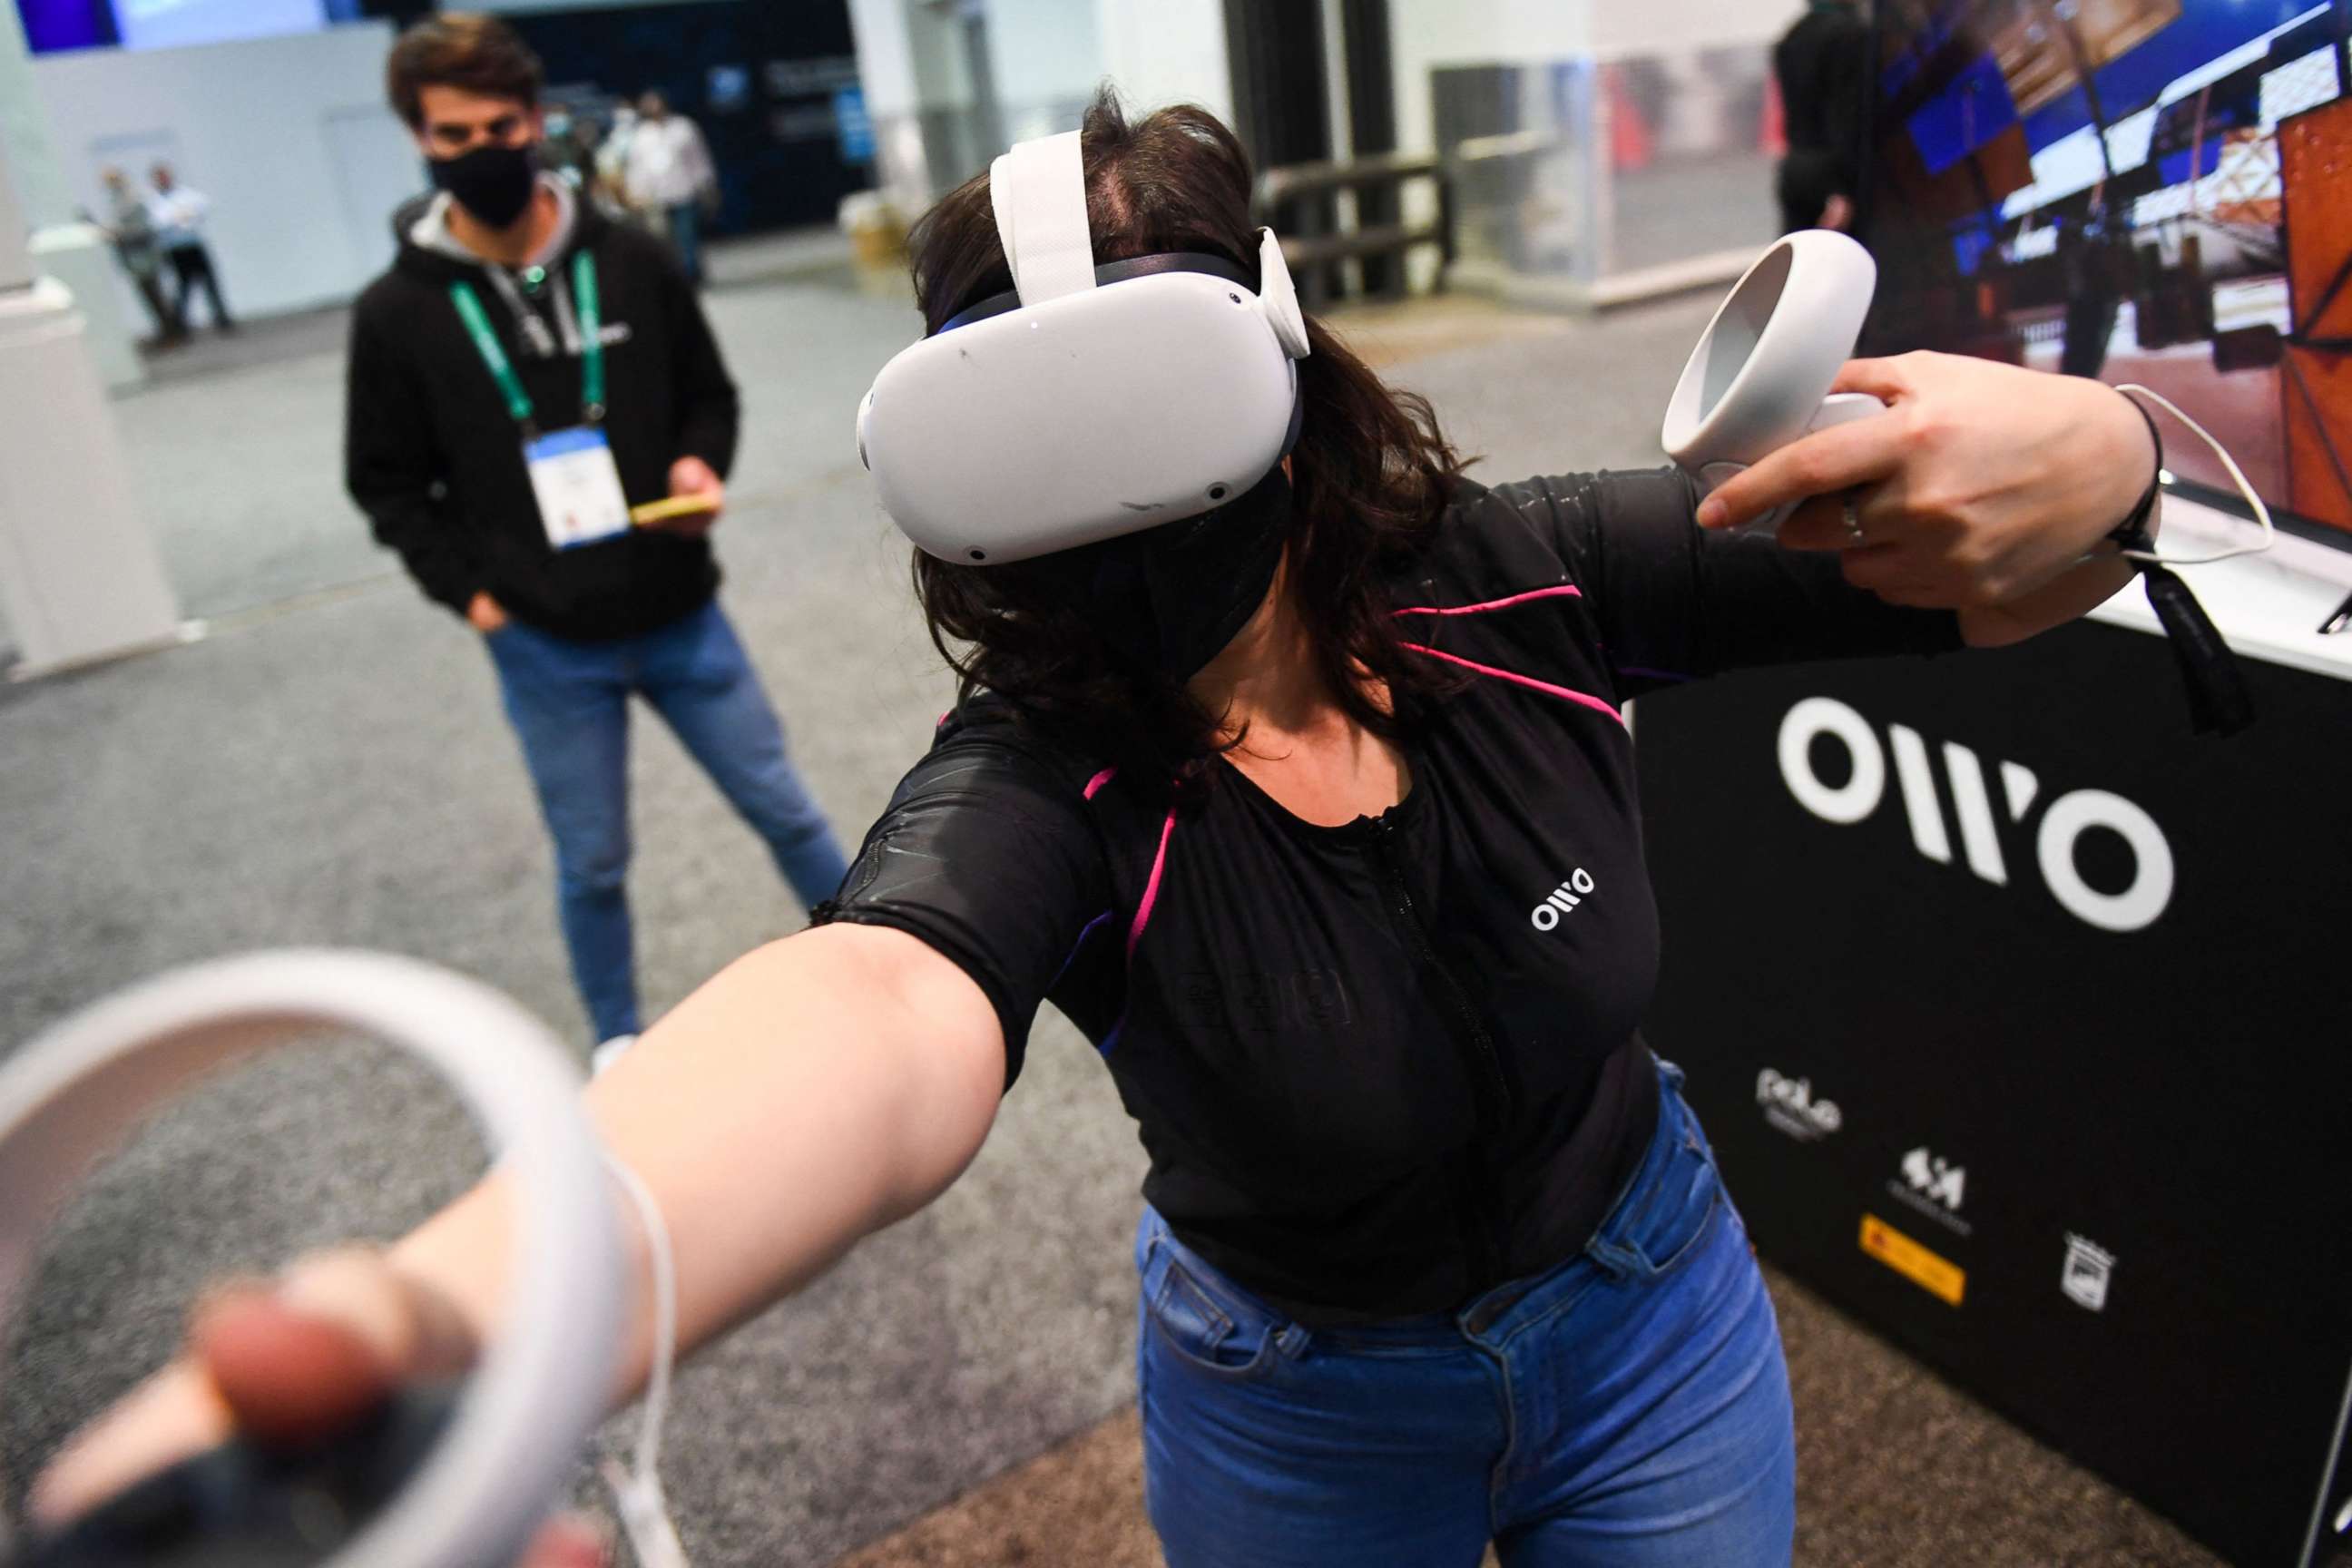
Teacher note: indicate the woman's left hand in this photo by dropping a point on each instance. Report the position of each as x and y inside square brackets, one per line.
[1981, 490]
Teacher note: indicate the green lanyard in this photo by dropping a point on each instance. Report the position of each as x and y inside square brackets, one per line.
[589, 305]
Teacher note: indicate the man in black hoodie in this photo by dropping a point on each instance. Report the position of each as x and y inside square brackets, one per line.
[525, 374]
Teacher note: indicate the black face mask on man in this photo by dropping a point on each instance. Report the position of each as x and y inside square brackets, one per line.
[492, 183]
[1173, 596]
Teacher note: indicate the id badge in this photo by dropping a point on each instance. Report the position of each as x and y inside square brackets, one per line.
[578, 485]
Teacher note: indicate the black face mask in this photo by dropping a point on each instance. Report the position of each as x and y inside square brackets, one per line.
[1173, 596]
[494, 183]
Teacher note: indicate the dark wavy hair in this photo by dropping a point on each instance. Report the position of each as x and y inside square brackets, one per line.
[1371, 475]
[479, 54]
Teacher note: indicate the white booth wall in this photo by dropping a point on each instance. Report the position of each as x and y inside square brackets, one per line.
[1646, 26]
[1426, 34]
[1166, 52]
[1046, 56]
[290, 137]
[1646, 168]
[1046, 59]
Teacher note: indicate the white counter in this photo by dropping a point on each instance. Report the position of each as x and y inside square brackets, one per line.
[2269, 606]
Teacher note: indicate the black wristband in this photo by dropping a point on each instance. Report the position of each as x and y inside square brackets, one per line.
[2219, 701]
[2131, 534]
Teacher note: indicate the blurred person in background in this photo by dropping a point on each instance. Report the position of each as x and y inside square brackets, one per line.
[669, 177]
[569, 150]
[133, 234]
[526, 373]
[2096, 258]
[1823, 64]
[178, 214]
[613, 166]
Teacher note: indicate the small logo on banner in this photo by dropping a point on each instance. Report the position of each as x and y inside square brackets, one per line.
[1937, 1276]
[1562, 900]
[2087, 1271]
[1790, 1105]
[1934, 1187]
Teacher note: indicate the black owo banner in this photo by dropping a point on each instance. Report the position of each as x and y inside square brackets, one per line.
[2022, 1021]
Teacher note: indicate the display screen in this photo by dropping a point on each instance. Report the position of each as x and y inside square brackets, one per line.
[511, 7]
[54, 25]
[168, 23]
[2148, 191]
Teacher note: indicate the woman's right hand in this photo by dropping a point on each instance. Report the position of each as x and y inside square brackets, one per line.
[283, 1362]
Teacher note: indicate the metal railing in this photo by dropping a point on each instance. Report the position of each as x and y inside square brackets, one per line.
[1321, 233]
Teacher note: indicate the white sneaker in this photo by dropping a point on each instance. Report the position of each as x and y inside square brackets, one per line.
[601, 1060]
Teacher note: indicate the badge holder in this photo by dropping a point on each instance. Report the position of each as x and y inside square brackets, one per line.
[577, 485]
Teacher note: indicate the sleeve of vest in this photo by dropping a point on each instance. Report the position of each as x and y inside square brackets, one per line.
[1676, 602]
[983, 855]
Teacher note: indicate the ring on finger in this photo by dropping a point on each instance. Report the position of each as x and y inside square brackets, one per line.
[1854, 533]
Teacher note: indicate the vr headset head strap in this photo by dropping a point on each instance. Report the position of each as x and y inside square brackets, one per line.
[1039, 191]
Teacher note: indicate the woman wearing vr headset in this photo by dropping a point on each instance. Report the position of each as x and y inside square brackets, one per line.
[1316, 811]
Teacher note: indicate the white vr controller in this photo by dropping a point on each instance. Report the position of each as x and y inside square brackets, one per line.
[477, 1489]
[1761, 375]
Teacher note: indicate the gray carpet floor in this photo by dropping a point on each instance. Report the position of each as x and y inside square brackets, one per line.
[330, 766]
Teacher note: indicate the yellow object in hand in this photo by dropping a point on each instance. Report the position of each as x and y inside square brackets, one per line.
[654, 511]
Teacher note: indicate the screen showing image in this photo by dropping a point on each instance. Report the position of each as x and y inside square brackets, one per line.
[51, 25]
[168, 23]
[2138, 190]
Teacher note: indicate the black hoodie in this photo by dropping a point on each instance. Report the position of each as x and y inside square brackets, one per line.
[435, 459]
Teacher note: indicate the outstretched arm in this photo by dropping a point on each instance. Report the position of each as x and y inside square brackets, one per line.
[814, 1092]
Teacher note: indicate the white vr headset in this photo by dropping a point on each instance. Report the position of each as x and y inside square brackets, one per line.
[1091, 401]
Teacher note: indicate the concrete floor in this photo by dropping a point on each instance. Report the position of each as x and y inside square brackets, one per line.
[330, 766]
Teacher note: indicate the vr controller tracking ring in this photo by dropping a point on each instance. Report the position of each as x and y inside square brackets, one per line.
[1760, 375]
[541, 1387]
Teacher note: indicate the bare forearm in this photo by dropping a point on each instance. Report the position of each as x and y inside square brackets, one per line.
[811, 1094]
[815, 1092]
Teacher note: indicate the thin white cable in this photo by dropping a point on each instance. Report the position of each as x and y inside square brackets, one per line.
[638, 1491]
[2237, 476]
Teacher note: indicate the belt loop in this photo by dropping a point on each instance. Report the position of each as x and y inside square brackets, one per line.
[1619, 1263]
[1489, 1310]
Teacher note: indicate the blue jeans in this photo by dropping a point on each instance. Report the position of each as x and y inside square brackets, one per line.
[1631, 1407]
[684, 223]
[570, 704]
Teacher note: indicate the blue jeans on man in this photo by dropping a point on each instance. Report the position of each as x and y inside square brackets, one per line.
[684, 224]
[570, 704]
